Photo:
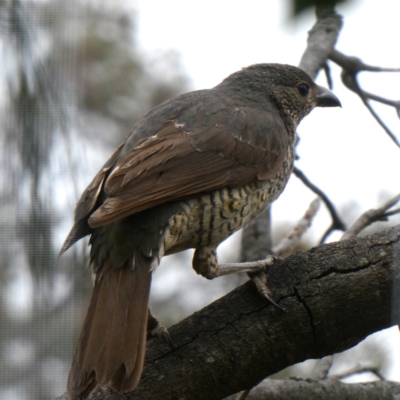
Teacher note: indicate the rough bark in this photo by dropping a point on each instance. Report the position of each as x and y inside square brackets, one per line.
[334, 295]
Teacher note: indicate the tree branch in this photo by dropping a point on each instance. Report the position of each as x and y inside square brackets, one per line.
[325, 365]
[337, 222]
[351, 67]
[321, 40]
[371, 216]
[336, 295]
[257, 238]
[328, 389]
[360, 370]
[288, 244]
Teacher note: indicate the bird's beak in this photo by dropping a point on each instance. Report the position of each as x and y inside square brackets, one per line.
[325, 98]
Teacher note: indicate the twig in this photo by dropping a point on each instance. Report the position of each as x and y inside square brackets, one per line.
[328, 75]
[286, 246]
[391, 213]
[324, 367]
[337, 223]
[384, 100]
[351, 66]
[360, 370]
[371, 216]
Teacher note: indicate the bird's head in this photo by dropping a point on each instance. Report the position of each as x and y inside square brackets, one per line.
[284, 87]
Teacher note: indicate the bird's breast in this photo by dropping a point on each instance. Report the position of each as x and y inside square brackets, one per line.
[212, 217]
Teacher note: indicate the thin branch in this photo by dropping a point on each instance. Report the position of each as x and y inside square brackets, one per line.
[337, 222]
[324, 367]
[391, 213]
[377, 117]
[328, 75]
[287, 245]
[351, 66]
[359, 370]
[384, 100]
[371, 216]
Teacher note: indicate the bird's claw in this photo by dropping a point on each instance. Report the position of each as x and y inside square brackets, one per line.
[260, 280]
[155, 329]
[164, 334]
[160, 332]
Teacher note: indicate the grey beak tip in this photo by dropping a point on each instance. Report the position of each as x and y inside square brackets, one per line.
[327, 99]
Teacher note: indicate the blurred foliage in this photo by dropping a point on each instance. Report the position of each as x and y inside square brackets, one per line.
[74, 75]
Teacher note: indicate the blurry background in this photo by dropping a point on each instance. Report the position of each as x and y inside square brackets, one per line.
[74, 78]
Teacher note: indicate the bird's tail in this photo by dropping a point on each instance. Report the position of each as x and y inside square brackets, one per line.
[111, 347]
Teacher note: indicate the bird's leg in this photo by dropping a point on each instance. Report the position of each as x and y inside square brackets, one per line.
[155, 329]
[205, 263]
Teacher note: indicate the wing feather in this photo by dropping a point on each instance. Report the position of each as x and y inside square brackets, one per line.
[176, 164]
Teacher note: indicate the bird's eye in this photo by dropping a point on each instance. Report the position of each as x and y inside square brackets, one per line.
[303, 89]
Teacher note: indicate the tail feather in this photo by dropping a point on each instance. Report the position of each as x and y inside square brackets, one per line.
[112, 344]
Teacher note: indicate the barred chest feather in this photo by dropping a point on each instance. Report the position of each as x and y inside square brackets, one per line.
[210, 219]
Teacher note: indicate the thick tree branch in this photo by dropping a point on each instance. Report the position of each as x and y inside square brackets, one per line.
[257, 239]
[321, 40]
[336, 295]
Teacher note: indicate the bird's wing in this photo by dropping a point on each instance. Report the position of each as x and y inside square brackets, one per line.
[178, 163]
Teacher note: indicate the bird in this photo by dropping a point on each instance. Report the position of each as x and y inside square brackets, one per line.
[194, 170]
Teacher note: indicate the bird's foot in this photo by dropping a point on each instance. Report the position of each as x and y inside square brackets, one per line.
[205, 263]
[161, 332]
[155, 329]
[260, 279]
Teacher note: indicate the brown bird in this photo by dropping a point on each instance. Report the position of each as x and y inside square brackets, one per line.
[194, 170]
